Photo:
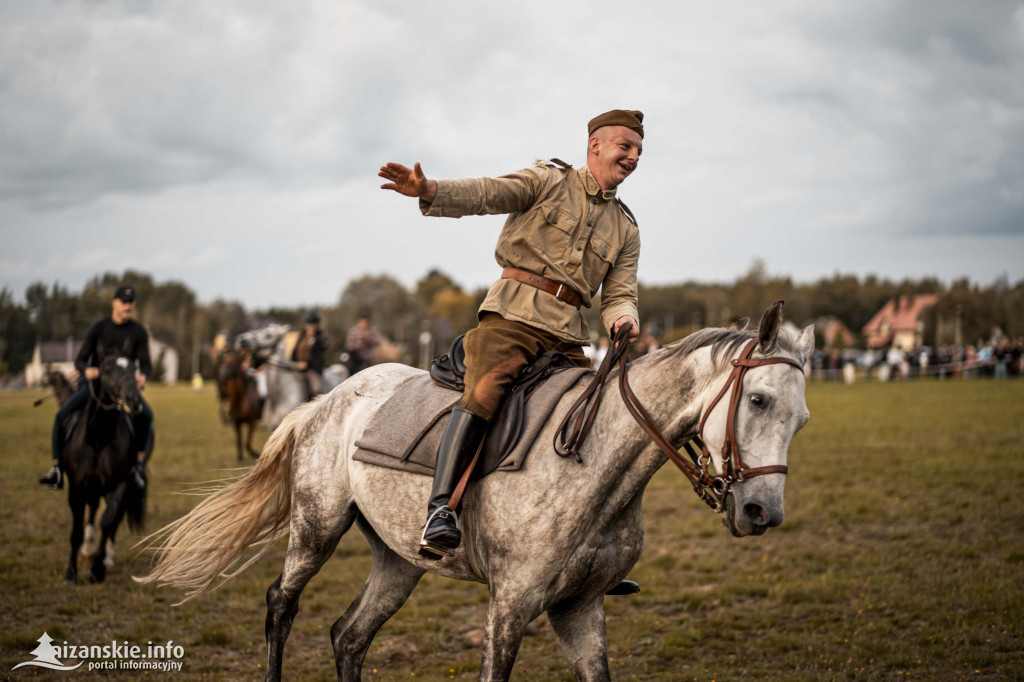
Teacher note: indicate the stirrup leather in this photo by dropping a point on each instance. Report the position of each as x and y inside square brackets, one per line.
[431, 549]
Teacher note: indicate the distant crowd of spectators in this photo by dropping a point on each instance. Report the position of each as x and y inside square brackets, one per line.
[1001, 359]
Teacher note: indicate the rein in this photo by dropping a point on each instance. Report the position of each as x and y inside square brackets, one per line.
[118, 404]
[281, 365]
[711, 489]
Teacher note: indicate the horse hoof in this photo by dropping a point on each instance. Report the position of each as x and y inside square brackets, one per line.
[71, 577]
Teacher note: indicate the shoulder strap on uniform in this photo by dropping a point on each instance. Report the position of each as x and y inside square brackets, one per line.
[554, 163]
[626, 211]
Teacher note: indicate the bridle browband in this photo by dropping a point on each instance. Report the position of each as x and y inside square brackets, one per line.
[711, 489]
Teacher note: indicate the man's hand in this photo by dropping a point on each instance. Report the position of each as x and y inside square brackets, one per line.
[408, 181]
[301, 366]
[634, 333]
[140, 380]
[92, 372]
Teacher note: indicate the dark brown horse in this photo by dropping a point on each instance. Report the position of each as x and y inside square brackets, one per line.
[62, 388]
[239, 391]
[98, 459]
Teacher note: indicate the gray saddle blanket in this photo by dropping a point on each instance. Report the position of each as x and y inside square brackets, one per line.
[419, 411]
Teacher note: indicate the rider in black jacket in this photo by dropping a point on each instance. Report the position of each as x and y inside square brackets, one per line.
[117, 335]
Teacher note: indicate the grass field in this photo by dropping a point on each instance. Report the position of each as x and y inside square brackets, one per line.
[902, 556]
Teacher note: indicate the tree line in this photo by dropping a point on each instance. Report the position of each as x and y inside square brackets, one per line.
[441, 306]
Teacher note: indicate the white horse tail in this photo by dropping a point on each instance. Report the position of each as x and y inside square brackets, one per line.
[210, 541]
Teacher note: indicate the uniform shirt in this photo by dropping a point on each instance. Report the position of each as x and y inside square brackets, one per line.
[105, 338]
[562, 226]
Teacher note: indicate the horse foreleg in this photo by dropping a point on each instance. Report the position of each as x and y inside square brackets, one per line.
[508, 615]
[238, 440]
[111, 518]
[248, 440]
[89, 541]
[580, 626]
[108, 560]
[77, 505]
[312, 540]
[392, 579]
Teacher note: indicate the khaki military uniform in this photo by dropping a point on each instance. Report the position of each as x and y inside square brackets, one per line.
[561, 226]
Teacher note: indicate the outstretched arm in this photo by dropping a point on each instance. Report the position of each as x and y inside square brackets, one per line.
[410, 182]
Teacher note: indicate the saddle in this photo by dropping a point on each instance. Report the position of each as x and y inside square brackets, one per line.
[506, 427]
[424, 404]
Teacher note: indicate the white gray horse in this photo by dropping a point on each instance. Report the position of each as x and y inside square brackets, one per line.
[286, 388]
[552, 537]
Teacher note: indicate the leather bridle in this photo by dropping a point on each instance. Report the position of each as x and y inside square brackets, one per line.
[118, 403]
[711, 489]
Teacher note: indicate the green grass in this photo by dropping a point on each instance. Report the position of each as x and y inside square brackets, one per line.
[902, 556]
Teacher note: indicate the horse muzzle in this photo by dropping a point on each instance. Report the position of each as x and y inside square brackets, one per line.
[753, 518]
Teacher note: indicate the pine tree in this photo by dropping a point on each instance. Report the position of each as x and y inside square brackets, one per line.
[45, 652]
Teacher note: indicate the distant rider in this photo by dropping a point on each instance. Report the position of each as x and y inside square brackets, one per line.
[309, 353]
[119, 336]
[362, 340]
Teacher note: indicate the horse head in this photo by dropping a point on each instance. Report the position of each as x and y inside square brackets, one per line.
[751, 429]
[117, 385]
[263, 341]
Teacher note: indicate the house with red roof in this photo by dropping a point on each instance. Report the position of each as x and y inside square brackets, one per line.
[899, 322]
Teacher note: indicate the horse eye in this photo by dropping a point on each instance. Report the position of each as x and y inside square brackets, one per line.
[758, 400]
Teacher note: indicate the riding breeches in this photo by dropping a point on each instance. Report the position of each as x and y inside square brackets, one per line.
[78, 400]
[496, 351]
[142, 425]
[312, 381]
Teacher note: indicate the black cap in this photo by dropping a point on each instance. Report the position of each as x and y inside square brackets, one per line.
[312, 317]
[125, 293]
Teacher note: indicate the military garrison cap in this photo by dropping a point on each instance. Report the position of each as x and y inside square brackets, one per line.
[618, 117]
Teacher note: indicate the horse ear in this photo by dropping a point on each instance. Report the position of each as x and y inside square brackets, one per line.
[768, 330]
[805, 344]
[740, 324]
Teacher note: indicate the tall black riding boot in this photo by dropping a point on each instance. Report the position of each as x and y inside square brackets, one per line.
[462, 436]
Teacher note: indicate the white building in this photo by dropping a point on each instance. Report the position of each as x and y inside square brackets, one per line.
[60, 356]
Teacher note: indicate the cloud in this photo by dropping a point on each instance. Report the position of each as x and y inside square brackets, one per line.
[204, 140]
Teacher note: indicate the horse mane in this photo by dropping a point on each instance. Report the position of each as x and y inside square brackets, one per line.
[724, 343]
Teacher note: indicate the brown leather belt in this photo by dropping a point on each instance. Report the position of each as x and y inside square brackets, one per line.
[559, 291]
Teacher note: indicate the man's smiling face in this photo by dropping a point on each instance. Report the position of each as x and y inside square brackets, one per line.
[613, 154]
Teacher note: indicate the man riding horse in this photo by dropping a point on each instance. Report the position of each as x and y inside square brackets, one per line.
[567, 236]
[117, 335]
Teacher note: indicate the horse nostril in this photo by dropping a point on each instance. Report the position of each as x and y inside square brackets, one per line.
[756, 514]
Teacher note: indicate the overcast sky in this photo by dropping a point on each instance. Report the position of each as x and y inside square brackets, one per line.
[234, 145]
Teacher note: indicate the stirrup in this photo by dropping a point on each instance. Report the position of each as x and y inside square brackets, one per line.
[432, 550]
[625, 587]
[138, 477]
